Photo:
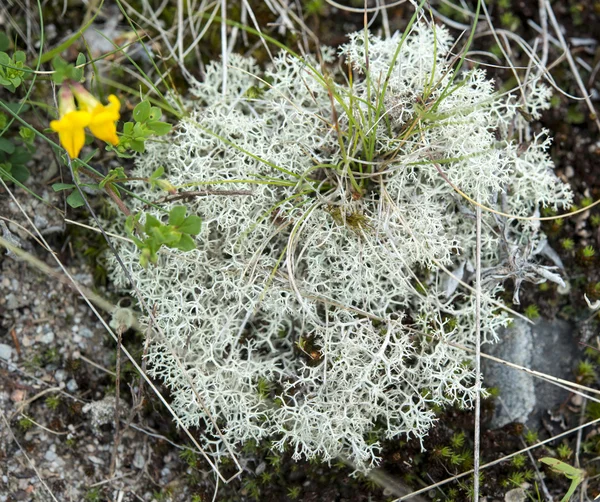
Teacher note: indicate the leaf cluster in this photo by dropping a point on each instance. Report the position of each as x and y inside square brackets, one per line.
[146, 124]
[14, 156]
[11, 67]
[68, 71]
[176, 234]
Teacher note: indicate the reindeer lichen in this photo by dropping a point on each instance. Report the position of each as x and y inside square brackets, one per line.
[315, 309]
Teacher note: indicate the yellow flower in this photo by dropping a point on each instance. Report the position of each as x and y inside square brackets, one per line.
[103, 117]
[71, 124]
[103, 121]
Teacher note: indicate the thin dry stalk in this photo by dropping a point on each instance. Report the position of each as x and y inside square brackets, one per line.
[477, 432]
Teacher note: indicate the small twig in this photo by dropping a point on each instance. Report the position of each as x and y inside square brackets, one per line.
[37, 424]
[115, 452]
[204, 193]
[96, 365]
[13, 335]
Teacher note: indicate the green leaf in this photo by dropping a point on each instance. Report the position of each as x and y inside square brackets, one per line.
[77, 73]
[6, 145]
[75, 199]
[20, 156]
[138, 146]
[155, 113]
[57, 187]
[191, 225]
[142, 111]
[16, 107]
[20, 173]
[4, 41]
[157, 173]
[159, 128]
[59, 63]
[186, 243]
[151, 222]
[575, 475]
[19, 57]
[177, 216]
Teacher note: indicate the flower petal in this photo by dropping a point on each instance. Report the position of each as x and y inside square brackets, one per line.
[103, 120]
[70, 129]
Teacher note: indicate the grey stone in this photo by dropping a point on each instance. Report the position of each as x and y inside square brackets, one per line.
[60, 375]
[47, 337]
[516, 388]
[72, 385]
[549, 347]
[515, 495]
[5, 351]
[138, 459]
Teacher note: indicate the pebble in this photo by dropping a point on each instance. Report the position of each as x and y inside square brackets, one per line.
[260, 468]
[86, 332]
[5, 352]
[569, 172]
[138, 459]
[47, 337]
[17, 395]
[11, 301]
[51, 455]
[60, 375]
[72, 385]
[515, 495]
[40, 221]
[96, 460]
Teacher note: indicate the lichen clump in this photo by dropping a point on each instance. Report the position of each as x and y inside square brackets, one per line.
[314, 311]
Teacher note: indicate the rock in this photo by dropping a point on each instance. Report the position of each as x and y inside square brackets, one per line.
[72, 385]
[516, 388]
[95, 460]
[47, 337]
[138, 459]
[260, 468]
[60, 375]
[40, 221]
[50, 455]
[515, 495]
[5, 352]
[549, 347]
[17, 395]
[86, 332]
